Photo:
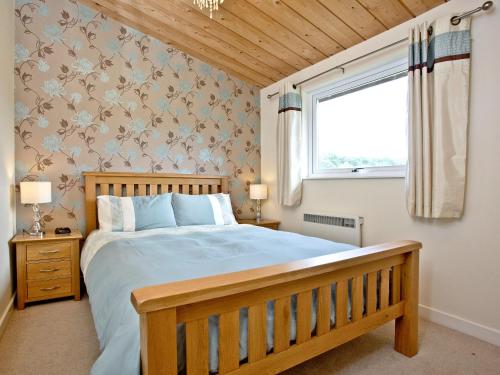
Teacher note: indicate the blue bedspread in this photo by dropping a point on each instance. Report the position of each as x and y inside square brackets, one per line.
[122, 265]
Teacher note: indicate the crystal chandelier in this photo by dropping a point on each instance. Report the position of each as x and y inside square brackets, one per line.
[210, 4]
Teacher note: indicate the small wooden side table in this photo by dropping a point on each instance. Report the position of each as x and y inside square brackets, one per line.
[47, 267]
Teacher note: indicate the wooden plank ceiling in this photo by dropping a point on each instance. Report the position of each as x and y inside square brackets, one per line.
[263, 41]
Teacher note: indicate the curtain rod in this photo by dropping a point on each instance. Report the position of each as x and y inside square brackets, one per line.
[341, 66]
[454, 21]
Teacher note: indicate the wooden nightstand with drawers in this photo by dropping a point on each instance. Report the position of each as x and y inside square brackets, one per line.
[47, 267]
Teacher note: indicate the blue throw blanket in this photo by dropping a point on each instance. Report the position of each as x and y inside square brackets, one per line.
[122, 265]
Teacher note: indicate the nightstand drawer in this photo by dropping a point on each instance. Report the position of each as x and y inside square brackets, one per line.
[49, 250]
[49, 288]
[48, 270]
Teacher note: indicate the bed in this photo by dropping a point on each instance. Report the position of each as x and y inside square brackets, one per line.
[234, 299]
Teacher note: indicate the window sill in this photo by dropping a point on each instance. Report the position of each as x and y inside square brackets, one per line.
[355, 176]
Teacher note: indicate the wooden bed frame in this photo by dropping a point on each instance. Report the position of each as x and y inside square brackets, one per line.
[391, 293]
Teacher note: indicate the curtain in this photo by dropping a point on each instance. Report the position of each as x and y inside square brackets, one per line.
[438, 74]
[289, 146]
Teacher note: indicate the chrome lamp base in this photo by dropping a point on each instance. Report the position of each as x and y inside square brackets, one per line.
[37, 228]
[258, 216]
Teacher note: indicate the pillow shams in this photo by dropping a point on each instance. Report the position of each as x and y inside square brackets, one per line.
[129, 214]
[203, 209]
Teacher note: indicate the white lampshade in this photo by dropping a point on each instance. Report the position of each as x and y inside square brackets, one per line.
[36, 192]
[258, 191]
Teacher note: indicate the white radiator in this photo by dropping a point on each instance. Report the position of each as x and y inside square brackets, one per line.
[338, 228]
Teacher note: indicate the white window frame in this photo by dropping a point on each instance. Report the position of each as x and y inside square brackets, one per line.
[371, 76]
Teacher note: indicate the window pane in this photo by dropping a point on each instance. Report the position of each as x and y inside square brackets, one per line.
[364, 128]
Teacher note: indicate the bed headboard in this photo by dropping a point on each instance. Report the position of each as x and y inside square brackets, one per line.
[133, 184]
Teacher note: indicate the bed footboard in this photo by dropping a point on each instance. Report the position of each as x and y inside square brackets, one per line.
[383, 284]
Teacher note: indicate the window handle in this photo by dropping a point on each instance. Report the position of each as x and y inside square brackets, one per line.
[356, 170]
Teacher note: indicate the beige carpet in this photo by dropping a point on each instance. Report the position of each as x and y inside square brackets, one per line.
[59, 338]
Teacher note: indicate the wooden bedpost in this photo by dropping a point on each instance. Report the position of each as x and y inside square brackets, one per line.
[159, 342]
[406, 335]
[90, 203]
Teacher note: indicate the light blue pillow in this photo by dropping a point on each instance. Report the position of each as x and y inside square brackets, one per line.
[129, 214]
[203, 209]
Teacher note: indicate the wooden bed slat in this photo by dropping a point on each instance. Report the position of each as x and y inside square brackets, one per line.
[341, 304]
[371, 293]
[164, 188]
[257, 339]
[282, 320]
[304, 309]
[229, 341]
[185, 189]
[142, 190]
[396, 284]
[384, 289]
[197, 347]
[214, 189]
[205, 189]
[357, 298]
[195, 189]
[130, 190]
[324, 309]
[175, 188]
[117, 190]
[104, 189]
[153, 189]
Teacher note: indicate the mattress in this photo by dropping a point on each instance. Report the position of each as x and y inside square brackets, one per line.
[116, 263]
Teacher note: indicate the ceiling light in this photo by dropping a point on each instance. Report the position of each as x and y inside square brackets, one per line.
[210, 4]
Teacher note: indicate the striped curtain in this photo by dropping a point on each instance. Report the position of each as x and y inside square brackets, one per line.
[439, 65]
[289, 146]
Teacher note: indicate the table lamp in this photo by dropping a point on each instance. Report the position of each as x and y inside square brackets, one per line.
[258, 192]
[36, 192]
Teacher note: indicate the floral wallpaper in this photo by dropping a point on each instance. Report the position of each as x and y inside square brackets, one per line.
[95, 95]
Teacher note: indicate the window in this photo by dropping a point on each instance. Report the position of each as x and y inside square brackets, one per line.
[359, 126]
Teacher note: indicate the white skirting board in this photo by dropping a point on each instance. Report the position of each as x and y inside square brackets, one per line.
[457, 323]
[4, 319]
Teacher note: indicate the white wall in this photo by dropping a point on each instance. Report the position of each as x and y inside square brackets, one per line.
[460, 261]
[6, 151]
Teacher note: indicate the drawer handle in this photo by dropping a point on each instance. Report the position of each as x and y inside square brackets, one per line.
[51, 270]
[49, 289]
[48, 251]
